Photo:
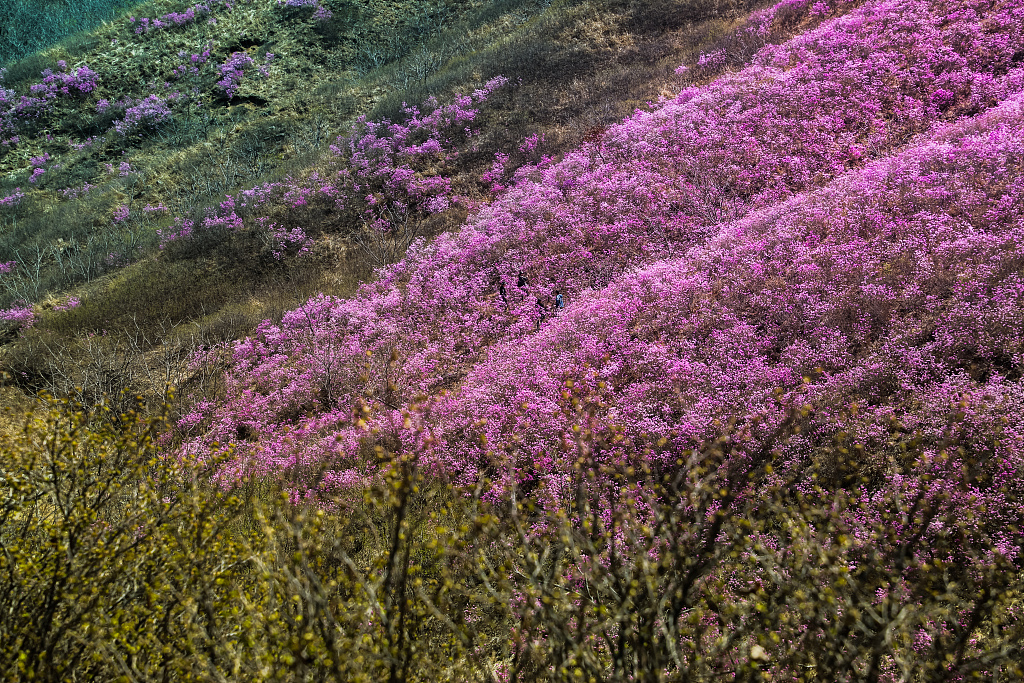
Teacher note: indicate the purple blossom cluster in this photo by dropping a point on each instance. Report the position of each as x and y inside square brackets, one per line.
[282, 241]
[818, 224]
[76, 192]
[68, 304]
[378, 160]
[374, 173]
[320, 13]
[81, 81]
[279, 240]
[42, 95]
[171, 19]
[18, 317]
[232, 71]
[13, 199]
[147, 113]
[190, 63]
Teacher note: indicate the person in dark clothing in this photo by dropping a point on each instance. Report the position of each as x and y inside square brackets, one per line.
[540, 312]
[501, 291]
[559, 301]
[522, 280]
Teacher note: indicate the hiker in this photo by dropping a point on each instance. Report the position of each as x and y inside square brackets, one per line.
[521, 283]
[501, 291]
[540, 312]
[559, 301]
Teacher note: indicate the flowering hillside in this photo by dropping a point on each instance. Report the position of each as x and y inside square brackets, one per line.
[117, 142]
[729, 389]
[733, 188]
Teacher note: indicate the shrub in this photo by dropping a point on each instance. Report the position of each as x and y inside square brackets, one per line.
[81, 81]
[144, 25]
[18, 317]
[12, 199]
[718, 566]
[233, 71]
[677, 187]
[103, 540]
[320, 12]
[150, 112]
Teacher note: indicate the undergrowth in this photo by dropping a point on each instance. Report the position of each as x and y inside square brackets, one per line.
[121, 564]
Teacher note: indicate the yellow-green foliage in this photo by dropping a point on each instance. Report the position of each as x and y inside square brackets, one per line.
[109, 550]
[118, 563]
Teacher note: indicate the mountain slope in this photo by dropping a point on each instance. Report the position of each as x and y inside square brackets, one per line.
[82, 206]
[658, 186]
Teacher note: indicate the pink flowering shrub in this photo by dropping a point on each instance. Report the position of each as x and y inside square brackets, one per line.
[18, 317]
[81, 81]
[7, 100]
[377, 174]
[282, 241]
[144, 25]
[17, 111]
[894, 288]
[191, 64]
[320, 12]
[672, 186]
[69, 304]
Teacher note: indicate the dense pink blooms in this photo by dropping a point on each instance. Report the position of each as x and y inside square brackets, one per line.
[896, 287]
[18, 317]
[733, 190]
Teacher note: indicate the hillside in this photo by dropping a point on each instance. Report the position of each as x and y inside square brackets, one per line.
[761, 143]
[158, 124]
[516, 340]
[27, 27]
